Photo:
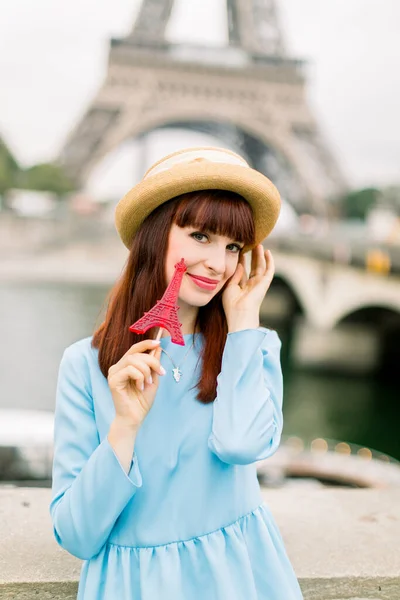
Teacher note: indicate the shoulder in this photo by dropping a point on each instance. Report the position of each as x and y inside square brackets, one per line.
[74, 384]
[82, 348]
[80, 356]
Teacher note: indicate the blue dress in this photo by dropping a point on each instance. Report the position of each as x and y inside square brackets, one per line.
[188, 521]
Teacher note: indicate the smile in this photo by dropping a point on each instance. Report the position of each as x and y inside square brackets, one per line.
[203, 284]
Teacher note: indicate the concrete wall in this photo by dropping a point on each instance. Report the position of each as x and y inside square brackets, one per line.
[343, 543]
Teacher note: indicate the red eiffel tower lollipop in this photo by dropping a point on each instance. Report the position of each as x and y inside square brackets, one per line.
[165, 312]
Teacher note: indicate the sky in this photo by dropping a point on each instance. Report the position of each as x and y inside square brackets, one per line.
[53, 59]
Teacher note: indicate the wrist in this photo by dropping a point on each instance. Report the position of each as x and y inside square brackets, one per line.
[245, 322]
[123, 427]
[122, 439]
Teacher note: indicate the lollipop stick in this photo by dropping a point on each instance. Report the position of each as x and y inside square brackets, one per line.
[159, 334]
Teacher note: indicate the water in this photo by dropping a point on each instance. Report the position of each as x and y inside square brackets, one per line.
[37, 322]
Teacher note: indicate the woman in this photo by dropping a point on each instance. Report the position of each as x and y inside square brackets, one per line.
[154, 476]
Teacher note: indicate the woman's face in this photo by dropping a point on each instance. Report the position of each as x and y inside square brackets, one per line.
[206, 255]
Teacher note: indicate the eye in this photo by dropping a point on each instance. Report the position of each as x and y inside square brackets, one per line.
[237, 247]
[198, 233]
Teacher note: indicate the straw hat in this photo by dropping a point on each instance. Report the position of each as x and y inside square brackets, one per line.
[195, 169]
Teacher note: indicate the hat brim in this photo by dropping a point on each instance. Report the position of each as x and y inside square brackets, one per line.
[151, 192]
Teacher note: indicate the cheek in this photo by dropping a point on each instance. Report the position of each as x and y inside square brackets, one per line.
[176, 252]
[179, 249]
[231, 269]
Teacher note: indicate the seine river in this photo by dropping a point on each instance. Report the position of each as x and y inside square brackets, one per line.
[38, 322]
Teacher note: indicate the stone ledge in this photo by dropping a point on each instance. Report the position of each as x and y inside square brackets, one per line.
[313, 589]
[343, 543]
[351, 588]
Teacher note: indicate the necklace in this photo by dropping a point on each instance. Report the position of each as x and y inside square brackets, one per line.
[176, 372]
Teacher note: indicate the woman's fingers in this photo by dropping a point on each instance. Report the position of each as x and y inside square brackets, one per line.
[151, 361]
[123, 375]
[142, 346]
[253, 266]
[270, 264]
[243, 279]
[258, 261]
[134, 361]
[141, 361]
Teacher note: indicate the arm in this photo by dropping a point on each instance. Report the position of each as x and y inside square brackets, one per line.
[122, 441]
[247, 413]
[90, 487]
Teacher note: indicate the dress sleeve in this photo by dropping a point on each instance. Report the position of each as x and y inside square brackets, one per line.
[90, 488]
[247, 412]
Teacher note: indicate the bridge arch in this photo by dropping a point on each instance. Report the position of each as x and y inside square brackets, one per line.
[382, 313]
[385, 321]
[282, 291]
[300, 277]
[368, 312]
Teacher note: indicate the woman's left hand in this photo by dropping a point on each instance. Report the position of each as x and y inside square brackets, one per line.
[244, 295]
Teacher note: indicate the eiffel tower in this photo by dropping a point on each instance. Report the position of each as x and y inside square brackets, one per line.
[165, 312]
[249, 94]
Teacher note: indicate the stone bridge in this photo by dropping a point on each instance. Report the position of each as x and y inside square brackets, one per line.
[326, 298]
[328, 293]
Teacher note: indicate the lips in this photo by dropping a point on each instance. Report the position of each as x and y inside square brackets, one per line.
[203, 284]
[205, 279]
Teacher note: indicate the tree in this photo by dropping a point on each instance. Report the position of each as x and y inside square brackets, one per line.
[47, 177]
[9, 169]
[356, 204]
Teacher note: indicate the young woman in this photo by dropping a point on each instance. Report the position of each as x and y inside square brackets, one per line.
[154, 475]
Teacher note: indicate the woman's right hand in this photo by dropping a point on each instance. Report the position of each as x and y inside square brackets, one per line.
[128, 380]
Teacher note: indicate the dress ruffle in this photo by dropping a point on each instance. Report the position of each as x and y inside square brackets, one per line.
[232, 562]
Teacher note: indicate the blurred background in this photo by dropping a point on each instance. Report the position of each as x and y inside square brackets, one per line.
[93, 93]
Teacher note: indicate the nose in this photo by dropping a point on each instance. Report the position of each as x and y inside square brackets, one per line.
[216, 261]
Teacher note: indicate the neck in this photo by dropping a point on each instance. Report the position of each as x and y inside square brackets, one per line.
[187, 316]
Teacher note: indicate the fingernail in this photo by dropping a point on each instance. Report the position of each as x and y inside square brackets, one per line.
[155, 342]
[162, 371]
[150, 380]
[142, 386]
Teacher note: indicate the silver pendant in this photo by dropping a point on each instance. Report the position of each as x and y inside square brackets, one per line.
[177, 374]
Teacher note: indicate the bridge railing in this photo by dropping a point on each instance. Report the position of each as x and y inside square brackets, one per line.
[362, 253]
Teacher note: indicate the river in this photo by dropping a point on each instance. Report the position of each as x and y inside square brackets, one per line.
[38, 321]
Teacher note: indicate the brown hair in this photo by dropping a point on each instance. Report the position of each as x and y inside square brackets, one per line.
[143, 281]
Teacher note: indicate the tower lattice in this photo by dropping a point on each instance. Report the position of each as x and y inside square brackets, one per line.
[165, 312]
[249, 94]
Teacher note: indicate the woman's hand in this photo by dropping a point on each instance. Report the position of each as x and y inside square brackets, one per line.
[133, 382]
[243, 296]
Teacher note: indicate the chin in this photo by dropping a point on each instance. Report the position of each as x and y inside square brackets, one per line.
[196, 301]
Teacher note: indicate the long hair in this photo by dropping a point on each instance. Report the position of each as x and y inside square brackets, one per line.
[143, 281]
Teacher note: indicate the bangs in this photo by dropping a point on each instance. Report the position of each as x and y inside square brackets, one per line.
[217, 211]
